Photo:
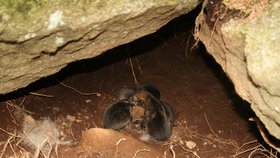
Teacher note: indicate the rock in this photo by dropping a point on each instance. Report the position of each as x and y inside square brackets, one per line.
[39, 38]
[111, 143]
[244, 40]
[190, 144]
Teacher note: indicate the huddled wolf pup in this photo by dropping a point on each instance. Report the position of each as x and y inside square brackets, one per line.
[137, 112]
[126, 93]
[117, 116]
[137, 116]
[158, 117]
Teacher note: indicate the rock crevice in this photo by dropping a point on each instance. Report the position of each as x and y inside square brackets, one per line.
[247, 50]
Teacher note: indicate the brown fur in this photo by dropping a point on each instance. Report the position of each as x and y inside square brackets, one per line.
[158, 117]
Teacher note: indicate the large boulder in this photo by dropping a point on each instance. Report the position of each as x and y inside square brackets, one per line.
[39, 38]
[244, 38]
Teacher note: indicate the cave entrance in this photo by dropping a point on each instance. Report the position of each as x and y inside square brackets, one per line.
[211, 120]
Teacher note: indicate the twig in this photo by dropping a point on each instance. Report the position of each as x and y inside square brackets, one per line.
[21, 148]
[37, 152]
[13, 119]
[11, 134]
[5, 146]
[82, 93]
[193, 152]
[11, 146]
[18, 106]
[71, 131]
[56, 150]
[138, 151]
[50, 150]
[117, 146]
[41, 95]
[23, 100]
[253, 150]
[25, 154]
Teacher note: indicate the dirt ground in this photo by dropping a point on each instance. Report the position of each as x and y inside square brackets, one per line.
[211, 120]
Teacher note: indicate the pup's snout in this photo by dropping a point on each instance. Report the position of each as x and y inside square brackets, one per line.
[132, 100]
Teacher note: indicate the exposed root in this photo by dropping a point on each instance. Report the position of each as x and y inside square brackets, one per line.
[172, 151]
[82, 93]
[210, 126]
[117, 146]
[41, 95]
[132, 68]
[198, 23]
[245, 144]
[265, 136]
[258, 149]
[138, 151]
[187, 46]
[56, 150]
[139, 67]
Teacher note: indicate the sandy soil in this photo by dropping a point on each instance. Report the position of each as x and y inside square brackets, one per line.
[211, 120]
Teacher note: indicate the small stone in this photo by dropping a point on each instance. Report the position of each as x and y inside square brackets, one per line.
[181, 142]
[78, 121]
[71, 118]
[88, 100]
[56, 109]
[62, 133]
[190, 144]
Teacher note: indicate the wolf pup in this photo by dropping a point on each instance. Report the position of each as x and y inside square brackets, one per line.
[137, 112]
[158, 118]
[117, 116]
[128, 92]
